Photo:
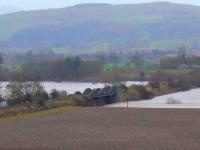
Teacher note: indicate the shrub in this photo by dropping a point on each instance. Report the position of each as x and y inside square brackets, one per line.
[1, 99]
[26, 93]
[63, 94]
[81, 100]
[77, 93]
[172, 100]
[41, 98]
[122, 92]
[16, 101]
[87, 91]
[54, 94]
[155, 85]
[144, 93]
[183, 85]
[133, 94]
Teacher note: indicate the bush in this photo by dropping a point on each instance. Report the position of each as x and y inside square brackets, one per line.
[78, 93]
[122, 92]
[54, 94]
[172, 100]
[155, 85]
[133, 94]
[26, 93]
[16, 101]
[87, 91]
[41, 98]
[1, 99]
[183, 85]
[144, 93]
[81, 100]
[63, 94]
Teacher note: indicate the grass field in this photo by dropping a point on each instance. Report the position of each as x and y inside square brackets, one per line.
[36, 114]
[104, 129]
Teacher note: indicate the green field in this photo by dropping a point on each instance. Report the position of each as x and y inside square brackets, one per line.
[145, 66]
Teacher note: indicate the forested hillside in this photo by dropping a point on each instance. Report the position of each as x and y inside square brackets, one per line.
[102, 27]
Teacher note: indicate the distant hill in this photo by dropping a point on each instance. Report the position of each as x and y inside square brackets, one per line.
[92, 5]
[99, 27]
[8, 9]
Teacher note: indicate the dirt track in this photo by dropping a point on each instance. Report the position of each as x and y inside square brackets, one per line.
[105, 129]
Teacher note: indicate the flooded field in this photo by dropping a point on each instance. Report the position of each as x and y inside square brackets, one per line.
[187, 99]
[72, 87]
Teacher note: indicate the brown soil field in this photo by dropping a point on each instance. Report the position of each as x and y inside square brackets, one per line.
[104, 129]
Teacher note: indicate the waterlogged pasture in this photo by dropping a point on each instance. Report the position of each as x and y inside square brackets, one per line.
[187, 99]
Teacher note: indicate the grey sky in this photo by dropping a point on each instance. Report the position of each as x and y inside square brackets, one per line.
[43, 4]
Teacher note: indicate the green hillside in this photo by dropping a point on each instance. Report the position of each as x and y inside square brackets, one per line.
[92, 26]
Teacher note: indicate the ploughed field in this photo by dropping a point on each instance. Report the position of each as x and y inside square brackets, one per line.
[104, 129]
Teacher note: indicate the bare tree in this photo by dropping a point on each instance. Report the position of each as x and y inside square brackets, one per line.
[26, 92]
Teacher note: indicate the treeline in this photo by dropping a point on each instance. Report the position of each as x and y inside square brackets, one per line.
[181, 61]
[71, 68]
[179, 79]
[32, 95]
[27, 57]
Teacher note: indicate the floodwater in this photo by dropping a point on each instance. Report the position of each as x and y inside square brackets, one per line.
[69, 87]
[187, 99]
[72, 87]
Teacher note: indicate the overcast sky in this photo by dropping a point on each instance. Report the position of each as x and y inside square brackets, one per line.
[43, 4]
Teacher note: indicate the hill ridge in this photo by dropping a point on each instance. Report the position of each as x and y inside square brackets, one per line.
[151, 25]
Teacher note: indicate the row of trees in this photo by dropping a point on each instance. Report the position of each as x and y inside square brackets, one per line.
[178, 61]
[33, 94]
[71, 68]
[27, 57]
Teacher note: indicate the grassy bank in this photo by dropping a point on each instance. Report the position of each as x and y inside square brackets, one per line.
[25, 112]
[36, 114]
